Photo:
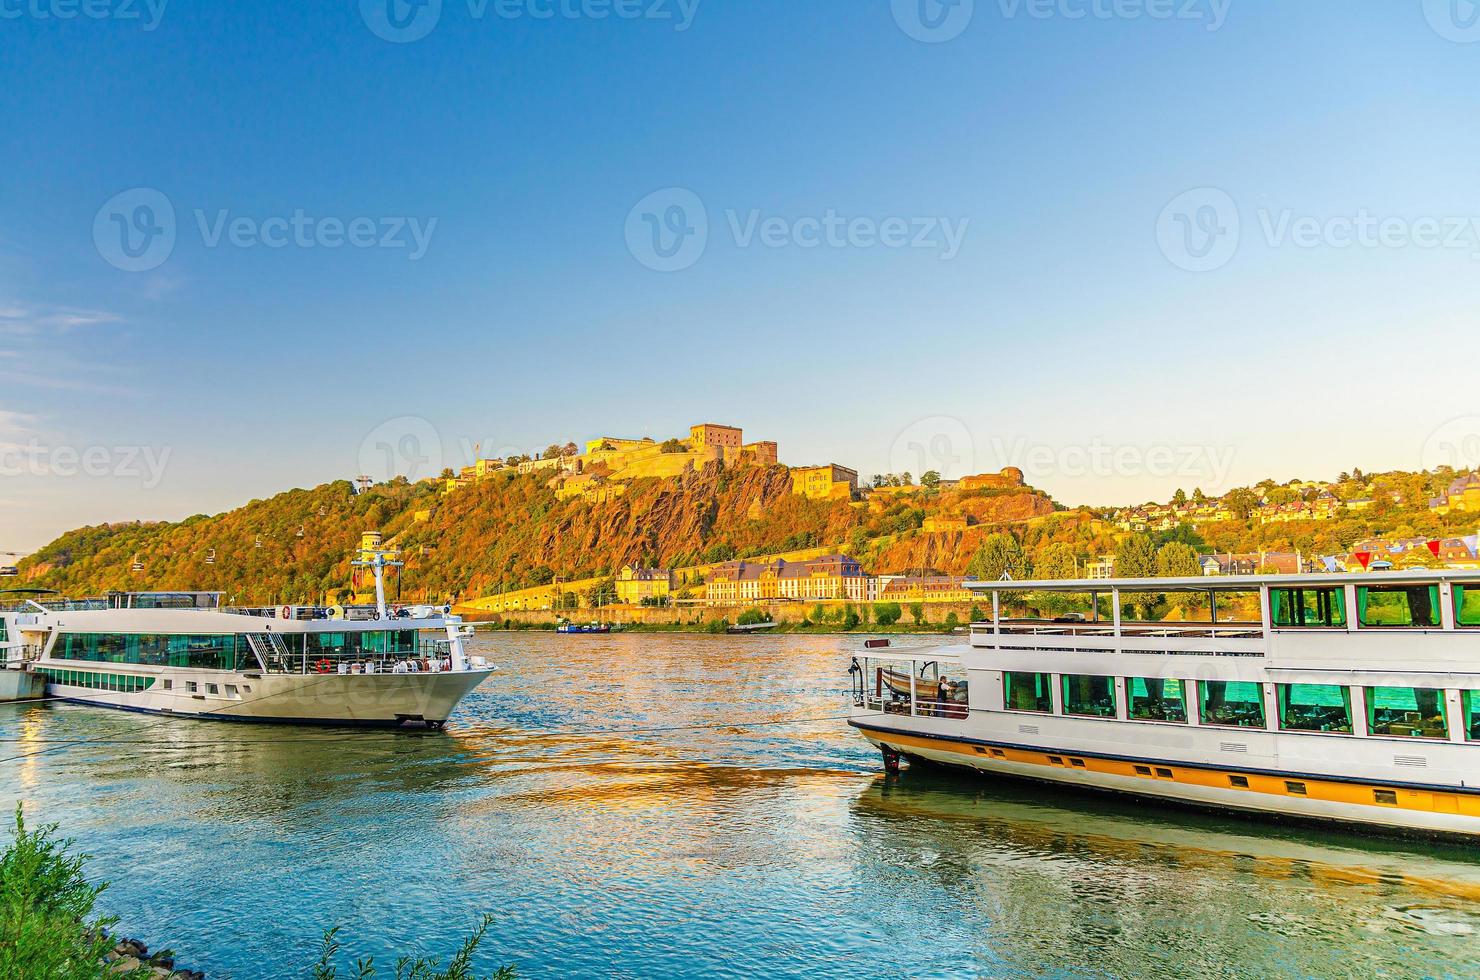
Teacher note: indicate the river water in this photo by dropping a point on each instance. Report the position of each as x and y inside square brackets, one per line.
[704, 840]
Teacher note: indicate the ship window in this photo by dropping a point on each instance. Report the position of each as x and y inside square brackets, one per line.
[1315, 708]
[1231, 704]
[1239, 782]
[1056, 760]
[1077, 762]
[1143, 770]
[1467, 605]
[1155, 699]
[1087, 694]
[1470, 706]
[999, 754]
[1026, 692]
[1308, 608]
[210, 651]
[212, 689]
[1298, 789]
[1398, 605]
[191, 686]
[1409, 712]
[1163, 773]
[1387, 796]
[169, 685]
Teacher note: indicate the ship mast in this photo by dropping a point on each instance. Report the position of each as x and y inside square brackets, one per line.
[377, 559]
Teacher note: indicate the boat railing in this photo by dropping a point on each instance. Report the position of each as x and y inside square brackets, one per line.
[428, 656]
[919, 689]
[1251, 631]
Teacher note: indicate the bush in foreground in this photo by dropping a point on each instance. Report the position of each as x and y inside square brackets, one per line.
[47, 927]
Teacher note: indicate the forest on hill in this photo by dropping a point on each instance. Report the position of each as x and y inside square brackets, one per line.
[510, 532]
[505, 532]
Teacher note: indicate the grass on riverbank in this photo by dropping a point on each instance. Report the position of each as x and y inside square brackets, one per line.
[413, 968]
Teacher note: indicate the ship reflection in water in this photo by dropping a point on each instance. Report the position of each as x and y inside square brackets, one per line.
[733, 849]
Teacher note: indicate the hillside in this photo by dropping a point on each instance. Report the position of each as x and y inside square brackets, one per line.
[506, 532]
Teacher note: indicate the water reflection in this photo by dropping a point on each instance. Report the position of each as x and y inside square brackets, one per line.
[1055, 875]
[683, 834]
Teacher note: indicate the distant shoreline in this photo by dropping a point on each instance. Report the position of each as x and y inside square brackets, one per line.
[926, 629]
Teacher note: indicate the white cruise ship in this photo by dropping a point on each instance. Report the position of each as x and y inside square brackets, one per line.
[1348, 697]
[184, 654]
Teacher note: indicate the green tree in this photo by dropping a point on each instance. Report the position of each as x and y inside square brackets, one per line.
[1180, 497]
[1177, 560]
[930, 479]
[887, 613]
[1000, 554]
[1242, 502]
[917, 610]
[1136, 558]
[1055, 561]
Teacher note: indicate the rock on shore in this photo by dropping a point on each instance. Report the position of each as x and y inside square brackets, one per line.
[128, 955]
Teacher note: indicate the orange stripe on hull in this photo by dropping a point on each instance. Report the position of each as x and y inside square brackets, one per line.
[1373, 795]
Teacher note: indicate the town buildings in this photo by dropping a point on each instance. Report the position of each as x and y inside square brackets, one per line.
[830, 482]
[905, 589]
[1461, 495]
[836, 577]
[637, 585]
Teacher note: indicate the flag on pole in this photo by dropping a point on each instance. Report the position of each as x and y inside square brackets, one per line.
[1365, 557]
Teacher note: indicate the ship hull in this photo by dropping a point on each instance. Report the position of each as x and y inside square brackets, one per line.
[1415, 808]
[361, 700]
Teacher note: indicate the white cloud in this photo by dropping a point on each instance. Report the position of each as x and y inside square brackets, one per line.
[33, 321]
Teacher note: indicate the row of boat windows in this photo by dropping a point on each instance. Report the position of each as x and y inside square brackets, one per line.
[103, 682]
[1406, 712]
[1377, 606]
[224, 651]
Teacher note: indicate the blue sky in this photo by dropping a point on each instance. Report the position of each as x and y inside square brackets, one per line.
[1200, 245]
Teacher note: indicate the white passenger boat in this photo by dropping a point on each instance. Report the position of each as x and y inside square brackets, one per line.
[184, 654]
[1348, 698]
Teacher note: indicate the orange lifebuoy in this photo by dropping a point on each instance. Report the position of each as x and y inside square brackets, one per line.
[323, 666]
